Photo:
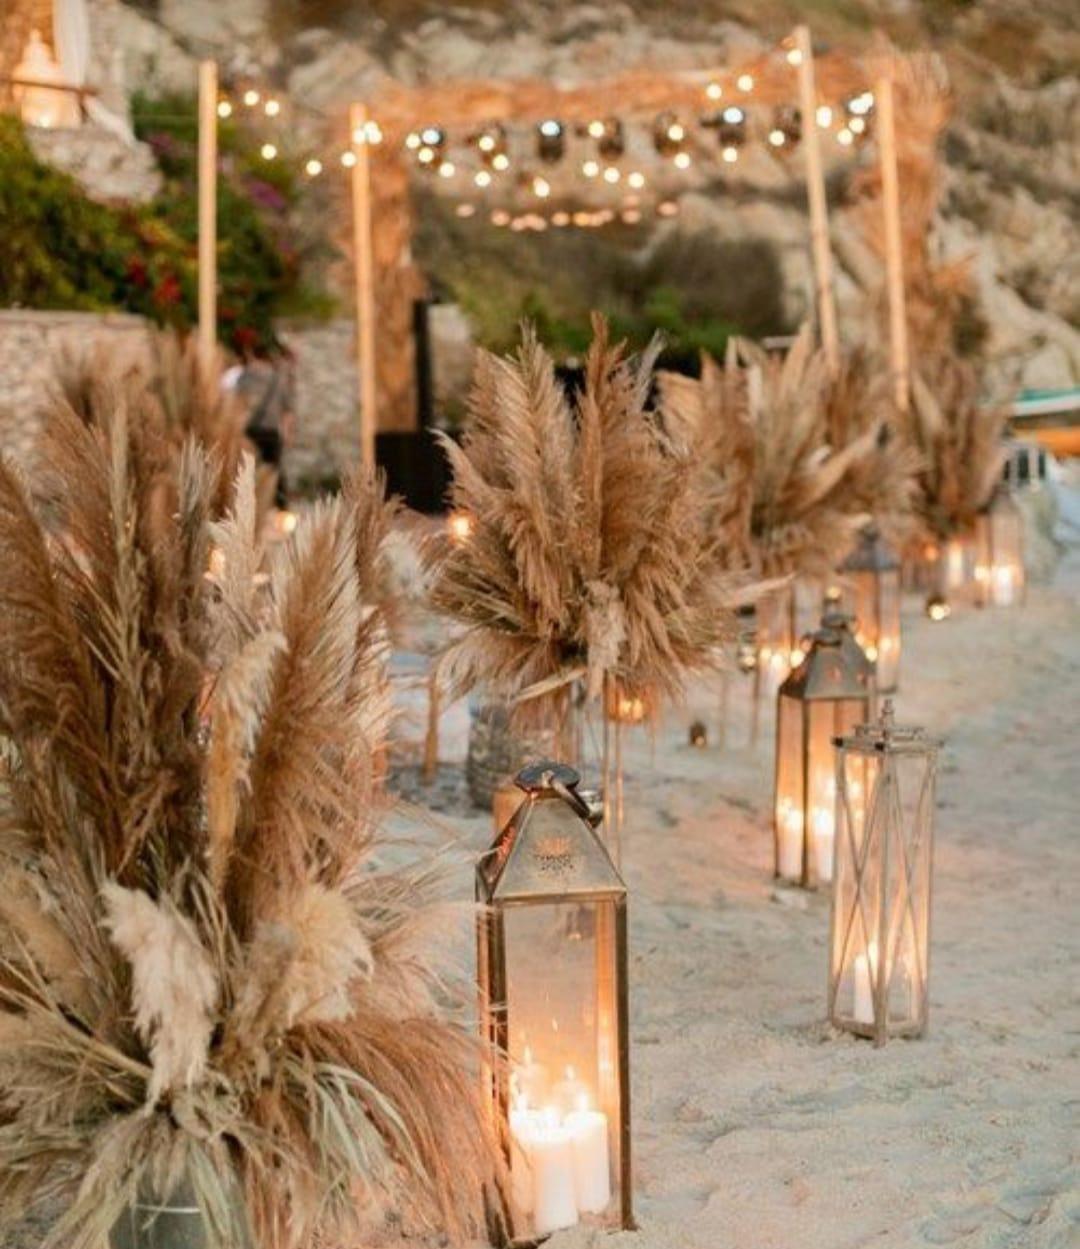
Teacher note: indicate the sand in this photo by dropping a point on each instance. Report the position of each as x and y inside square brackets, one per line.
[756, 1126]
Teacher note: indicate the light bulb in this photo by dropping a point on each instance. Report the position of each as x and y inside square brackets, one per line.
[683, 160]
[313, 168]
[268, 151]
[272, 108]
[251, 98]
[224, 109]
[745, 82]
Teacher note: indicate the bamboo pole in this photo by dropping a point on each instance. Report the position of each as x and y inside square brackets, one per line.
[894, 255]
[815, 192]
[207, 166]
[364, 266]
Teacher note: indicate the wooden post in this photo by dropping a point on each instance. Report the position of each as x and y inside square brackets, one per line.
[894, 253]
[815, 191]
[363, 261]
[207, 260]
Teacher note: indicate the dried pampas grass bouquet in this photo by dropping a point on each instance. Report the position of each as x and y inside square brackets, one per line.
[589, 557]
[208, 984]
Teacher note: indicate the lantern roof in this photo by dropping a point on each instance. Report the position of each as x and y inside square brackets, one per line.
[871, 553]
[834, 667]
[885, 736]
[548, 851]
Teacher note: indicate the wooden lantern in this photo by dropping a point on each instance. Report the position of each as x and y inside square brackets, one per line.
[871, 594]
[879, 959]
[552, 966]
[828, 694]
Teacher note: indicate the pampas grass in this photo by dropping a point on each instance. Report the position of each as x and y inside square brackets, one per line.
[589, 556]
[206, 979]
[784, 500]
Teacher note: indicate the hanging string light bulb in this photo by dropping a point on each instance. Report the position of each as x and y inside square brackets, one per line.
[609, 135]
[492, 147]
[669, 134]
[786, 130]
[550, 141]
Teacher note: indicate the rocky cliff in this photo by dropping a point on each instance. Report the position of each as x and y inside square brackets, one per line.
[1012, 182]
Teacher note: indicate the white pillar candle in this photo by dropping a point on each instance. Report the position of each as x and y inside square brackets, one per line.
[790, 855]
[864, 989]
[824, 841]
[550, 1155]
[592, 1178]
[522, 1123]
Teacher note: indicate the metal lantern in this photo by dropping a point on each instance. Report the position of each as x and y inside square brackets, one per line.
[784, 619]
[879, 944]
[999, 553]
[552, 964]
[828, 694]
[871, 593]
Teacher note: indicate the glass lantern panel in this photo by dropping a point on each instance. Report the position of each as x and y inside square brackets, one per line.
[955, 564]
[888, 636]
[790, 799]
[861, 601]
[1005, 573]
[563, 1044]
[856, 911]
[776, 639]
[826, 720]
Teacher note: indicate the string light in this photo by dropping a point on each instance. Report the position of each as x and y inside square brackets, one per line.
[432, 136]
[500, 217]
[844, 137]
[860, 105]
[745, 82]
[272, 108]
[560, 219]
[251, 97]
[550, 140]
[426, 155]
[856, 125]
[682, 160]
[369, 132]
[348, 159]
[413, 141]
[635, 180]
[482, 178]
[612, 175]
[313, 168]
[268, 151]
[224, 108]
[500, 161]
[466, 210]
[714, 91]
[596, 129]
[447, 169]
[794, 56]
[730, 155]
[824, 116]
[668, 208]
[541, 187]
[776, 138]
[590, 168]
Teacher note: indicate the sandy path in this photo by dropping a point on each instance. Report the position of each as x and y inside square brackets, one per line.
[755, 1128]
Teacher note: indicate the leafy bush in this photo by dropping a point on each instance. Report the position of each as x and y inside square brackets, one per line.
[695, 290]
[60, 249]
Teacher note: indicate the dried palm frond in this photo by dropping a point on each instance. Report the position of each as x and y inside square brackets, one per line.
[784, 499]
[207, 980]
[589, 555]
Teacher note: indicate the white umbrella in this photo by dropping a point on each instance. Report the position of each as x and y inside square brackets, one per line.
[71, 35]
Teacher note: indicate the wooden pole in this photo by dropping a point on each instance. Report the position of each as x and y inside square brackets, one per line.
[815, 191]
[363, 261]
[207, 260]
[894, 254]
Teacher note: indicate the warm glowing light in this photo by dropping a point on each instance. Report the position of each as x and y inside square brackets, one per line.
[482, 178]
[824, 116]
[794, 56]
[714, 91]
[224, 108]
[857, 125]
[733, 115]
[348, 159]
[777, 138]
[313, 168]
[447, 169]
[560, 219]
[500, 161]
[268, 151]
[500, 217]
[541, 187]
[431, 135]
[668, 208]
[861, 104]
[272, 108]
[596, 129]
[676, 132]
[550, 129]
[466, 210]
[590, 168]
[486, 143]
[631, 216]
[731, 155]
[413, 141]
[683, 160]
[426, 155]
[745, 82]
[844, 137]
[612, 175]
[937, 608]
[635, 180]
[251, 98]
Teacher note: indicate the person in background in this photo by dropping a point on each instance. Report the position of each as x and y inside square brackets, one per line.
[265, 385]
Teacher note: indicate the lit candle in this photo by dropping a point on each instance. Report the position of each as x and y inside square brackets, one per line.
[570, 1092]
[791, 840]
[531, 1080]
[589, 1139]
[864, 989]
[1002, 583]
[522, 1124]
[550, 1154]
[824, 838]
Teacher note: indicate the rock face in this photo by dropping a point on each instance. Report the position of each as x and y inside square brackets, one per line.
[106, 166]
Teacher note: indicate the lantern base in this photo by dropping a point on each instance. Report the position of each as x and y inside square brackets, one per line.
[894, 1031]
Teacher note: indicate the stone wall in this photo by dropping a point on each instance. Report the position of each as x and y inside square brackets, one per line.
[326, 439]
[30, 343]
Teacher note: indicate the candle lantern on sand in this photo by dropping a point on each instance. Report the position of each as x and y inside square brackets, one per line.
[828, 694]
[871, 593]
[999, 552]
[880, 930]
[552, 965]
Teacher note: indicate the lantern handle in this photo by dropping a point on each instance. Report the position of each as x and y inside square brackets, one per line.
[568, 795]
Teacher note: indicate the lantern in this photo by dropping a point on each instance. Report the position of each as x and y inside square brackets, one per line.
[999, 553]
[955, 558]
[879, 958]
[552, 965]
[828, 694]
[871, 593]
